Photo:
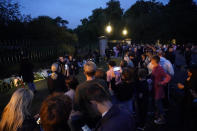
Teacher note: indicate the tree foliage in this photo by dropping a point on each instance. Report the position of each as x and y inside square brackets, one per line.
[14, 25]
[94, 26]
[46, 28]
[9, 11]
[145, 21]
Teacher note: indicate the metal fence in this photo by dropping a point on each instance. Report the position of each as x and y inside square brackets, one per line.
[12, 51]
[40, 53]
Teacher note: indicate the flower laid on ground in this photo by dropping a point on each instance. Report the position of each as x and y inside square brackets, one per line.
[41, 75]
[17, 81]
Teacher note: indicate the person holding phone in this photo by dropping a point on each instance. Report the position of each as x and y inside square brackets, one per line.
[112, 68]
[123, 91]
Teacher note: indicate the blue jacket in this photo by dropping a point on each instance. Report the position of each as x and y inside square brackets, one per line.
[116, 120]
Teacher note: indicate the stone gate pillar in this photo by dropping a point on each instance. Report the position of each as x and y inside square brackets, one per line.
[102, 45]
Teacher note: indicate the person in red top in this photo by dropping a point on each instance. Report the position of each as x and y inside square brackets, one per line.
[160, 78]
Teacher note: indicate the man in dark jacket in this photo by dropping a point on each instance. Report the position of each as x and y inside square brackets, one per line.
[170, 55]
[124, 91]
[142, 98]
[113, 118]
[90, 117]
[188, 55]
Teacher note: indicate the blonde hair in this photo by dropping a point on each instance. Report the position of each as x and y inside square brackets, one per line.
[16, 110]
[54, 67]
[90, 68]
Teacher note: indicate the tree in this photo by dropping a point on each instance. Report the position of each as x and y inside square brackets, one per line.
[94, 26]
[150, 20]
[10, 20]
[143, 19]
[91, 27]
[181, 19]
[61, 22]
[114, 14]
[47, 28]
[9, 11]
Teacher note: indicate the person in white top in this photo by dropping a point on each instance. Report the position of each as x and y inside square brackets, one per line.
[116, 51]
[166, 64]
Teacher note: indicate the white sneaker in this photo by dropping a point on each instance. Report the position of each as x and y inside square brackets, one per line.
[159, 121]
[140, 128]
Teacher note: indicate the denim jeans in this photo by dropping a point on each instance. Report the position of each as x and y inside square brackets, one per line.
[159, 106]
[31, 86]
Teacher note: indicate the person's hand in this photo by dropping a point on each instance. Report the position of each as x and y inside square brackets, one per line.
[74, 113]
[180, 86]
[188, 79]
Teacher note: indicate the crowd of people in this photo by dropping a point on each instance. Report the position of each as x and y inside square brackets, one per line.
[116, 100]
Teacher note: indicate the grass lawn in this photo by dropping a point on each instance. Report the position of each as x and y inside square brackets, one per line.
[43, 91]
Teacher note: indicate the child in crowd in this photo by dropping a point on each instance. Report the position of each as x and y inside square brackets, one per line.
[142, 97]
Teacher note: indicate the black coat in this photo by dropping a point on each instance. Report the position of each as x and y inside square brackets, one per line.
[90, 117]
[29, 124]
[171, 57]
[123, 91]
[142, 88]
[116, 120]
[57, 85]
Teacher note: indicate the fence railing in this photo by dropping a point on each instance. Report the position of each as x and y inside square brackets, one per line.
[11, 52]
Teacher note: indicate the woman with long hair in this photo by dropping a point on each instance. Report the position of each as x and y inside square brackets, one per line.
[16, 115]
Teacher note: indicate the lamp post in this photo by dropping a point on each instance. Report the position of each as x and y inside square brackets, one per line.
[108, 29]
[104, 41]
[124, 32]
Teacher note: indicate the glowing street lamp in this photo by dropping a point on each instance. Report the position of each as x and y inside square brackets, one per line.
[124, 32]
[109, 29]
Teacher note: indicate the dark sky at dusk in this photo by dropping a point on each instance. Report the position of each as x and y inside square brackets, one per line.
[71, 10]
